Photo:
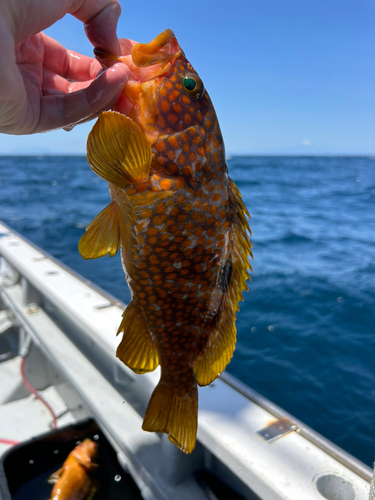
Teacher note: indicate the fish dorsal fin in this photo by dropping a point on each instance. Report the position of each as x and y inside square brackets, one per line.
[137, 349]
[220, 344]
[102, 235]
[118, 150]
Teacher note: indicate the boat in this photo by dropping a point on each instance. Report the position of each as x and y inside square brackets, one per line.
[57, 348]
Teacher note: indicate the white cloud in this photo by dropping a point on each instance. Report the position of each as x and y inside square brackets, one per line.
[306, 142]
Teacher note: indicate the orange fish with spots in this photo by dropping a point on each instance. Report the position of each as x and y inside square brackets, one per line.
[181, 226]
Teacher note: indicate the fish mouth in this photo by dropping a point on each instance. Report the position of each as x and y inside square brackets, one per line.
[160, 50]
[145, 61]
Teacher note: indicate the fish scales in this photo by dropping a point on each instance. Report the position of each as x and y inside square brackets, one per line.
[182, 229]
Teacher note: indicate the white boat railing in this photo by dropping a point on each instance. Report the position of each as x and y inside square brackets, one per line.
[250, 443]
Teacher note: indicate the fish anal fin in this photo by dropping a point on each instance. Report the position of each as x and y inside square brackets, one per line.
[174, 411]
[136, 349]
[118, 150]
[102, 235]
[219, 347]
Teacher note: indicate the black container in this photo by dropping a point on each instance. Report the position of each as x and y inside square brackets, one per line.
[25, 468]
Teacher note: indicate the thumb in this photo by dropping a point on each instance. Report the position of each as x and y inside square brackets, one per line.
[59, 111]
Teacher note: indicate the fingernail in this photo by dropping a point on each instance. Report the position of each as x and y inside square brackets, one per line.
[68, 128]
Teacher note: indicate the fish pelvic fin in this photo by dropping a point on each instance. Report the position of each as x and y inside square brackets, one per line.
[118, 150]
[219, 347]
[137, 349]
[173, 410]
[102, 236]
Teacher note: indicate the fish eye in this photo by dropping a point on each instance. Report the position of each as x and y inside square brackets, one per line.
[190, 84]
[193, 85]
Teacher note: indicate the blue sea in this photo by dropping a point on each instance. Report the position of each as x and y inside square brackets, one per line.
[306, 329]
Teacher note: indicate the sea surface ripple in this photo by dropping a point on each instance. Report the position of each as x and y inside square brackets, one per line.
[306, 336]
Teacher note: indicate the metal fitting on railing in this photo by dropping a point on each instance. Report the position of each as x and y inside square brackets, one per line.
[25, 342]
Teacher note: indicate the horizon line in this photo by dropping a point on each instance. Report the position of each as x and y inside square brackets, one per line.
[228, 156]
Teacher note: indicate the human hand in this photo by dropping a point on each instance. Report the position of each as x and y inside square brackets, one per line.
[44, 86]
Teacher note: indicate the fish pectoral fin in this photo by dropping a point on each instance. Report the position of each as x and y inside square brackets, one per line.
[118, 150]
[53, 478]
[102, 235]
[220, 344]
[87, 465]
[174, 412]
[83, 458]
[137, 349]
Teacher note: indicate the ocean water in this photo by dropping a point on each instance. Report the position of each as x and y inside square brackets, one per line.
[306, 329]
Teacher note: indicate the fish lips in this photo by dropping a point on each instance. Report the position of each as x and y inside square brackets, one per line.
[146, 61]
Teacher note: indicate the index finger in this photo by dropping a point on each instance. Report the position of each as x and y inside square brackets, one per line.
[68, 63]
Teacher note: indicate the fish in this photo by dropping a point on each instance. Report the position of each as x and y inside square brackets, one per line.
[74, 480]
[180, 223]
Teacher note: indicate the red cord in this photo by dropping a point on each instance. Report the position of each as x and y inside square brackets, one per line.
[8, 441]
[36, 393]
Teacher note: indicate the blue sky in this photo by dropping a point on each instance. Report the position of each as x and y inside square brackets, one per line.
[286, 77]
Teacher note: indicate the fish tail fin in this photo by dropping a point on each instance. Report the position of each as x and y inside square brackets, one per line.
[174, 411]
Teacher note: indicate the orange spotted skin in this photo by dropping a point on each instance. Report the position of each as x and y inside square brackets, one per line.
[190, 143]
[180, 242]
[184, 242]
